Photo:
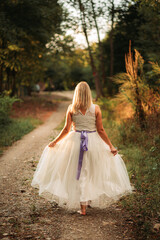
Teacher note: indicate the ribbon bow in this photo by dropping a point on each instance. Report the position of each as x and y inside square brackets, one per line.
[83, 147]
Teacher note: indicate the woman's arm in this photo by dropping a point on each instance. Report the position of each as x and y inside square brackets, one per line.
[65, 130]
[101, 130]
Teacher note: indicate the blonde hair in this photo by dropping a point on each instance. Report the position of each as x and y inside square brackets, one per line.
[82, 97]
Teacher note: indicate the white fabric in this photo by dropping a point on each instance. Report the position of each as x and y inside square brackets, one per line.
[103, 180]
[85, 122]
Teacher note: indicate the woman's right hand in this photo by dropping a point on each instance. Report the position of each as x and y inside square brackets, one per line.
[52, 144]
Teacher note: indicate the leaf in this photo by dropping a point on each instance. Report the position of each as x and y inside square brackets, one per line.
[13, 48]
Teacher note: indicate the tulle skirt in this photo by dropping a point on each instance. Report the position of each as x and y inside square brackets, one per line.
[103, 178]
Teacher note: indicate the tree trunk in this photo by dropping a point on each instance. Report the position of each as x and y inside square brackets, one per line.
[112, 54]
[100, 45]
[7, 87]
[94, 70]
[1, 78]
[111, 40]
[95, 21]
[2, 68]
[13, 84]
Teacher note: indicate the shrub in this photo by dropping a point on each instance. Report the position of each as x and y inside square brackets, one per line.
[140, 150]
[6, 103]
[15, 130]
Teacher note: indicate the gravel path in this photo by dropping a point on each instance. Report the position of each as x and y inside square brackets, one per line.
[25, 215]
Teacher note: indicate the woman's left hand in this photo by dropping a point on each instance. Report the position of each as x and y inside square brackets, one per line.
[51, 144]
[114, 150]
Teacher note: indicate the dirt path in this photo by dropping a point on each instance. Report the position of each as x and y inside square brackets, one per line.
[25, 215]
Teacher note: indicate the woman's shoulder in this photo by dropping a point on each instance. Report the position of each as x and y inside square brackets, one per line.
[97, 109]
[94, 108]
[69, 110]
[69, 106]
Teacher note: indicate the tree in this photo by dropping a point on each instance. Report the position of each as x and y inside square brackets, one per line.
[94, 70]
[66, 65]
[140, 24]
[87, 17]
[137, 21]
[94, 16]
[112, 13]
[25, 29]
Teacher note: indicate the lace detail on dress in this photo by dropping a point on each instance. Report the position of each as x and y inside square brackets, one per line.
[90, 114]
[86, 121]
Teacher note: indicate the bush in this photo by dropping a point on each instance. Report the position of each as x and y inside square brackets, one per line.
[15, 130]
[107, 106]
[6, 103]
[140, 149]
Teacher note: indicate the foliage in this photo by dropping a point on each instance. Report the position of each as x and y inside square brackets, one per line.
[33, 32]
[87, 14]
[67, 69]
[142, 161]
[156, 68]
[108, 105]
[15, 130]
[136, 22]
[6, 103]
[134, 88]
[153, 76]
[143, 164]
[25, 29]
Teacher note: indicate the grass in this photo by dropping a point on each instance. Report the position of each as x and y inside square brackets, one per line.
[22, 117]
[15, 130]
[141, 152]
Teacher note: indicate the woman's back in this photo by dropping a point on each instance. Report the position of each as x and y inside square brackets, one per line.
[85, 121]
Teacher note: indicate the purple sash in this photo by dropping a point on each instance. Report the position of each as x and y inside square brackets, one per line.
[83, 147]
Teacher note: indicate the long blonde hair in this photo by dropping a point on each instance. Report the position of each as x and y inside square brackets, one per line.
[82, 97]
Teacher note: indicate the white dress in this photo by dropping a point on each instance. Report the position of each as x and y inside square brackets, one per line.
[103, 177]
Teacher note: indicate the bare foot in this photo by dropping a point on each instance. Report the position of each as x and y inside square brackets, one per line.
[81, 213]
[83, 209]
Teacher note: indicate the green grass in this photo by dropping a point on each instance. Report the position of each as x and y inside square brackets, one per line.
[93, 94]
[15, 130]
[140, 151]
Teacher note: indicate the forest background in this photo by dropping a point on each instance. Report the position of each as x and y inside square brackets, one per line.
[122, 69]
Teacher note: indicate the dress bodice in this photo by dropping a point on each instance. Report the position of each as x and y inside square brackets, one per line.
[85, 121]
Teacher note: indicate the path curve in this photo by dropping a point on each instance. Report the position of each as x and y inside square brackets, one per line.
[35, 140]
[25, 215]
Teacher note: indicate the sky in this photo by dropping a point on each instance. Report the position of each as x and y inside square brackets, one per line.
[79, 37]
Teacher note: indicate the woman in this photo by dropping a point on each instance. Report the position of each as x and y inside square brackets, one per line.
[82, 165]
